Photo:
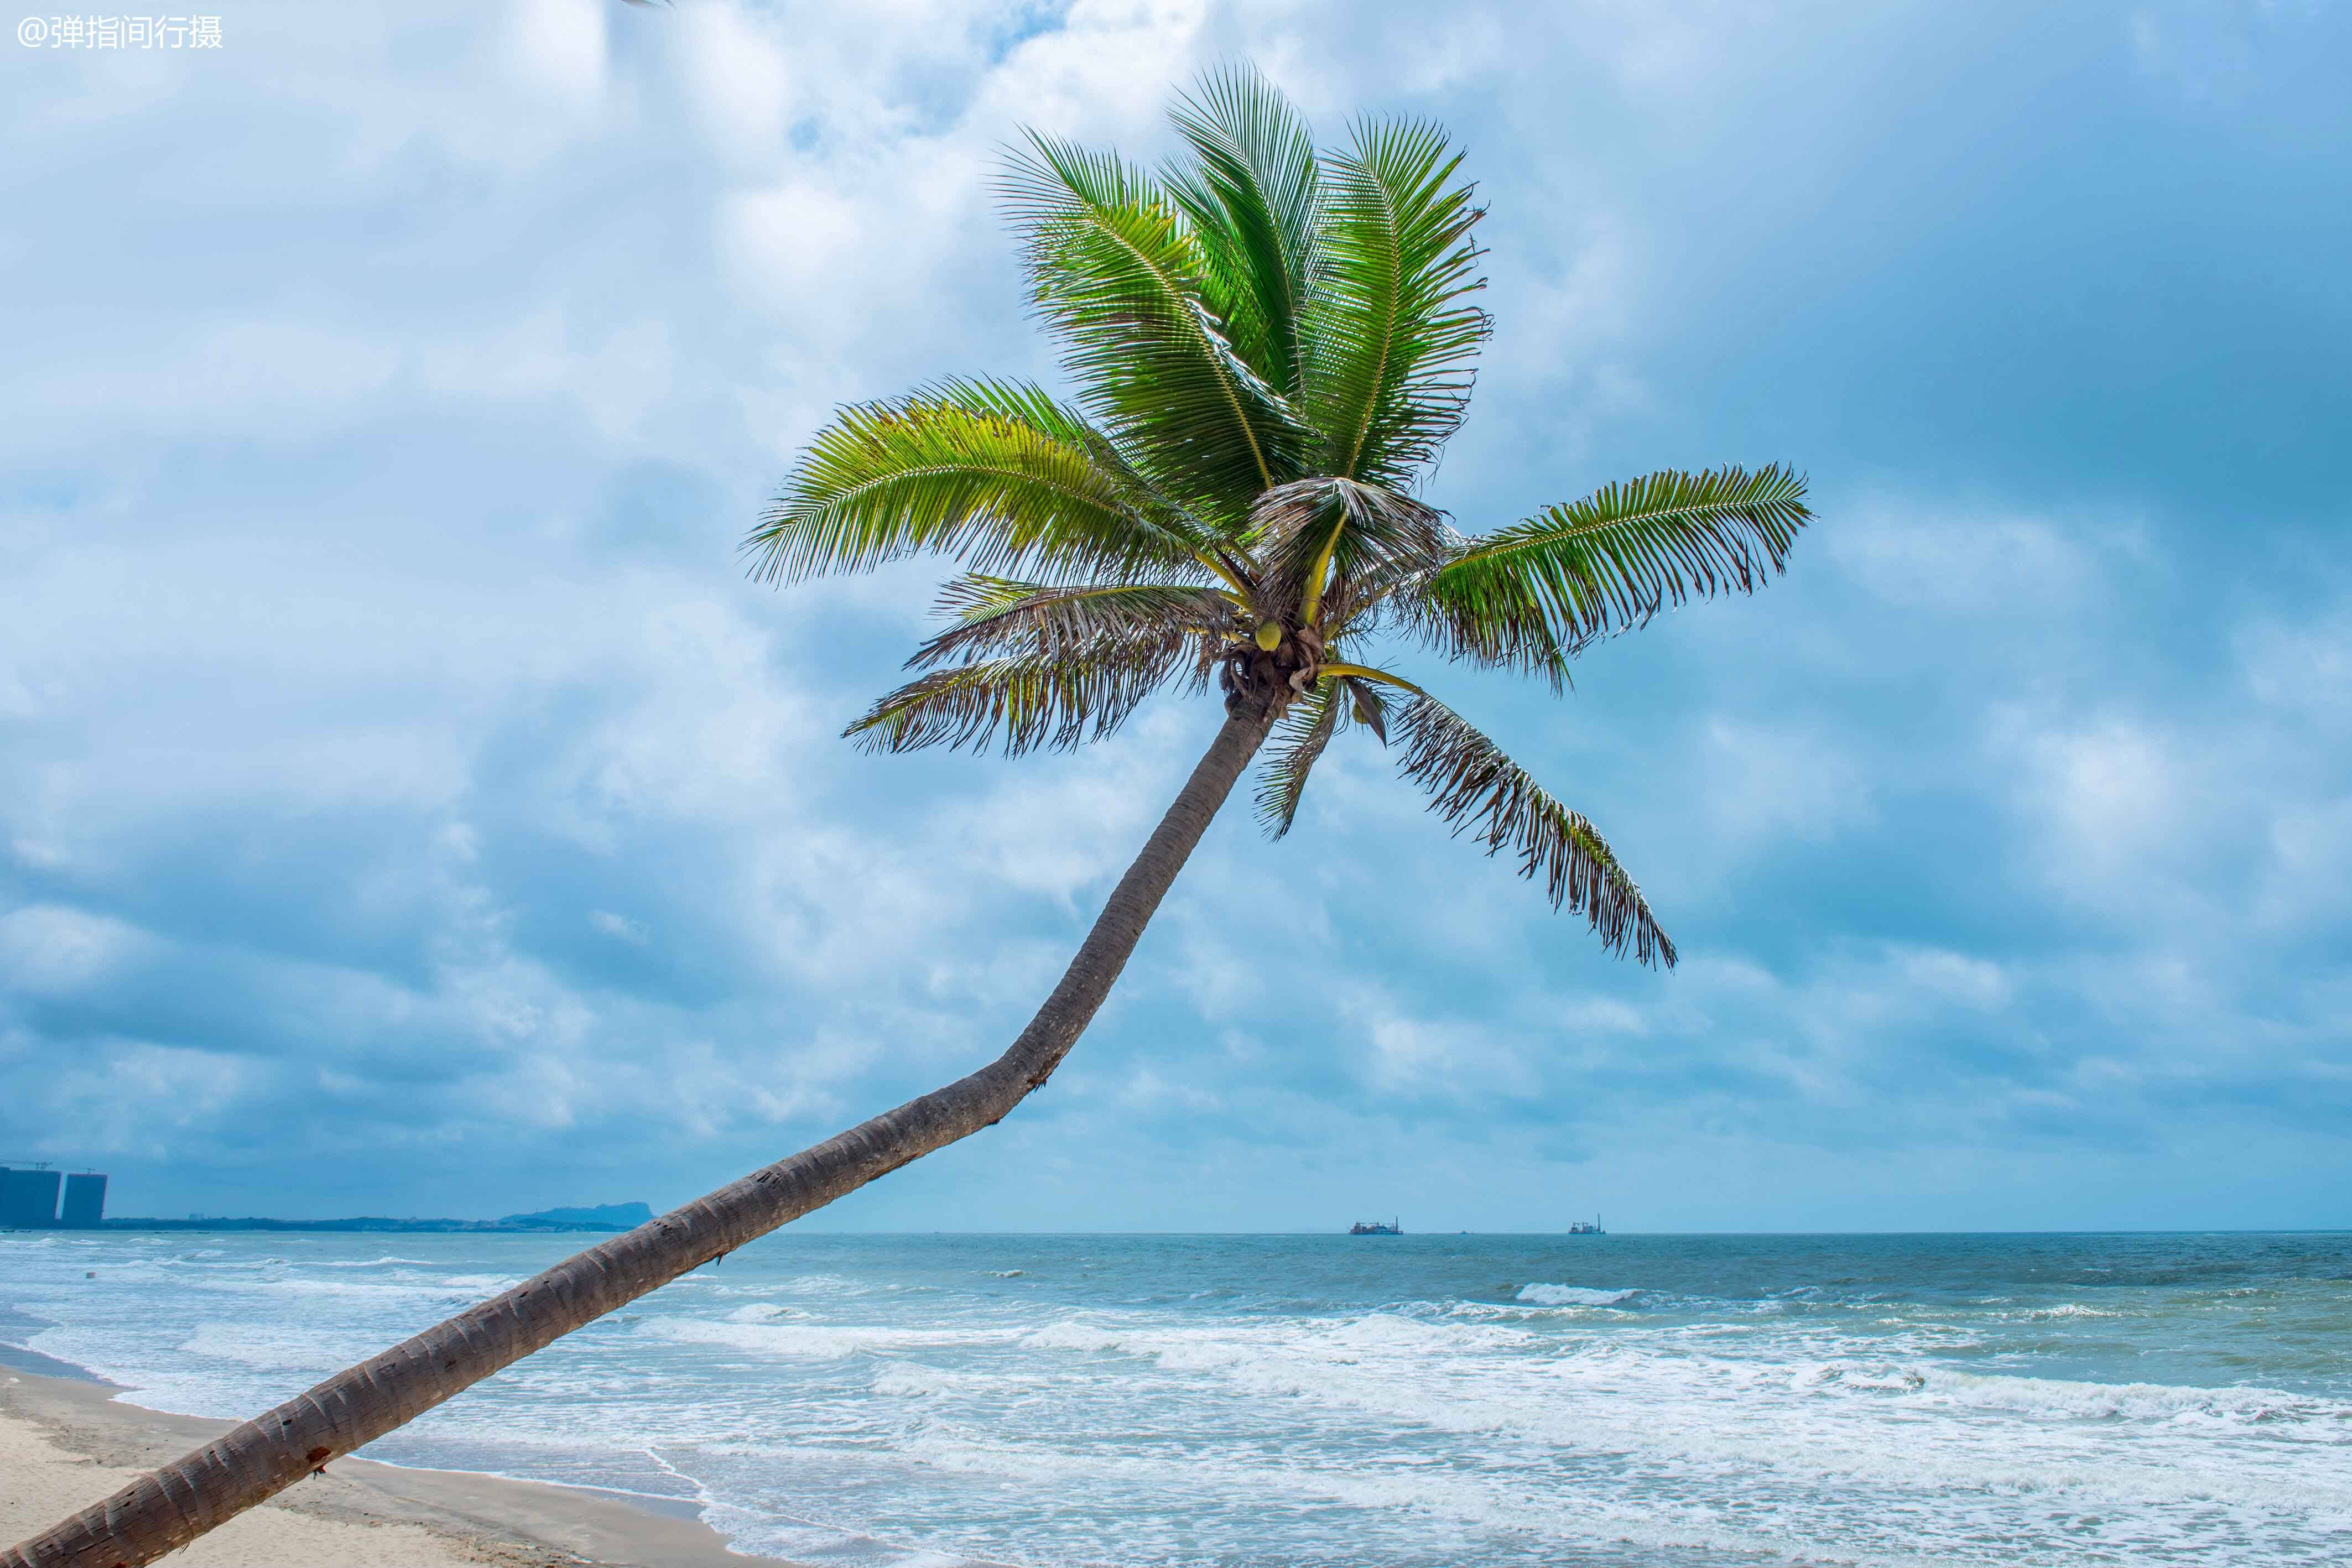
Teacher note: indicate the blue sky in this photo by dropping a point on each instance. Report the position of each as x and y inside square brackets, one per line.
[406, 806]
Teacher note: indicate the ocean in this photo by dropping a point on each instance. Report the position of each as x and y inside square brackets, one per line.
[1381, 1402]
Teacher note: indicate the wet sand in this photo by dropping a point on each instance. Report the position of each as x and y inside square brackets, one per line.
[65, 1442]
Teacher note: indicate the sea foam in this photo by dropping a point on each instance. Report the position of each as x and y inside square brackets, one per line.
[1159, 1402]
[1572, 1296]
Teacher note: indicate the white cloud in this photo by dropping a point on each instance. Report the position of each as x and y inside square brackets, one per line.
[618, 382]
[558, 47]
[1766, 784]
[1940, 976]
[136, 1097]
[796, 242]
[1104, 73]
[2112, 794]
[1441, 1059]
[355, 665]
[620, 927]
[50, 949]
[739, 81]
[2309, 878]
[1974, 563]
[2303, 667]
[289, 376]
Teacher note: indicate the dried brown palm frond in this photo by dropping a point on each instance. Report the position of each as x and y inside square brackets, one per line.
[1369, 708]
[1296, 744]
[998, 617]
[1310, 533]
[1479, 790]
[1027, 702]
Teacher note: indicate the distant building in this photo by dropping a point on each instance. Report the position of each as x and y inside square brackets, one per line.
[85, 1202]
[28, 1198]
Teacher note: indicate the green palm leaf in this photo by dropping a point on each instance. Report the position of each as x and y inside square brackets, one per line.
[1389, 339]
[1476, 788]
[1117, 273]
[966, 470]
[1251, 191]
[1032, 405]
[1546, 588]
[1303, 734]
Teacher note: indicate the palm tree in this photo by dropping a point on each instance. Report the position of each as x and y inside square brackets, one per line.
[1268, 345]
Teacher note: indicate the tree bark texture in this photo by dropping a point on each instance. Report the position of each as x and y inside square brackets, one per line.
[182, 1501]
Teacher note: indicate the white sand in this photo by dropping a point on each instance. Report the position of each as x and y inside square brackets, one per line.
[45, 1482]
[66, 1444]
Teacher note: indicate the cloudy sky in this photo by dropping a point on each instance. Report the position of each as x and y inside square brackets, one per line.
[406, 806]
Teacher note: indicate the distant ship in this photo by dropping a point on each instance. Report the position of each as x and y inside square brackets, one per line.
[1376, 1228]
[1578, 1228]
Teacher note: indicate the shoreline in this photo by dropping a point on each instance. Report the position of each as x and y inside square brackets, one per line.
[68, 1437]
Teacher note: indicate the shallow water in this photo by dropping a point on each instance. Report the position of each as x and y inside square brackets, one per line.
[1392, 1401]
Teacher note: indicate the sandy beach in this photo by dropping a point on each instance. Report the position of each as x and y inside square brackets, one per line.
[66, 1442]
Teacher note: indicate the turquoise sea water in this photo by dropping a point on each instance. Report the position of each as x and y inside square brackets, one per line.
[896, 1401]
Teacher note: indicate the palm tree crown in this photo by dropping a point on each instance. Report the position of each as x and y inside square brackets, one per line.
[1268, 344]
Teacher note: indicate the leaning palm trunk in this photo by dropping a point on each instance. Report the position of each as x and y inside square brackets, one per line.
[179, 1502]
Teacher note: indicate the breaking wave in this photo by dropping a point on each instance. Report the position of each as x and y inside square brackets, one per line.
[1156, 1402]
[1572, 1296]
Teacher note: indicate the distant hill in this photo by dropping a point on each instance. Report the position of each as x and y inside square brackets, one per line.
[613, 1216]
[603, 1216]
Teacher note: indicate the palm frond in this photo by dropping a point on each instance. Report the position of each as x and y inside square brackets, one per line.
[1389, 336]
[1362, 603]
[1523, 644]
[1304, 731]
[969, 470]
[1477, 788]
[1000, 617]
[1546, 586]
[1371, 708]
[1115, 271]
[1033, 405]
[1251, 191]
[1313, 532]
[1028, 701]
